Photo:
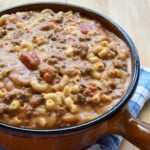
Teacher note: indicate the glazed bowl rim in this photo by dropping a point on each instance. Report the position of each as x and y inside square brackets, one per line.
[103, 117]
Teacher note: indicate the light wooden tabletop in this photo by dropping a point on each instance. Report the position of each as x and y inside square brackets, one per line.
[133, 16]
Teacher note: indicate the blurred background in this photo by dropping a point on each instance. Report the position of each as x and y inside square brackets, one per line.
[132, 15]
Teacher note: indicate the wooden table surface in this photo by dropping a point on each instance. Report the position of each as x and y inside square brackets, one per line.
[133, 16]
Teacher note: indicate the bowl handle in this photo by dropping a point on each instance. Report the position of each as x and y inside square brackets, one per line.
[135, 131]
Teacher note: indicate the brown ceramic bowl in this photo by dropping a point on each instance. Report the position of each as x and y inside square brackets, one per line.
[118, 120]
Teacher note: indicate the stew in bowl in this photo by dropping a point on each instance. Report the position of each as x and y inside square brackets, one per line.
[59, 69]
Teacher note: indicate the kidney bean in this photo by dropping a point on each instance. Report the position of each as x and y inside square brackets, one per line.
[30, 60]
[48, 73]
[85, 27]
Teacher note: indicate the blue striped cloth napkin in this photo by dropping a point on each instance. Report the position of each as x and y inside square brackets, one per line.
[140, 97]
[142, 94]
